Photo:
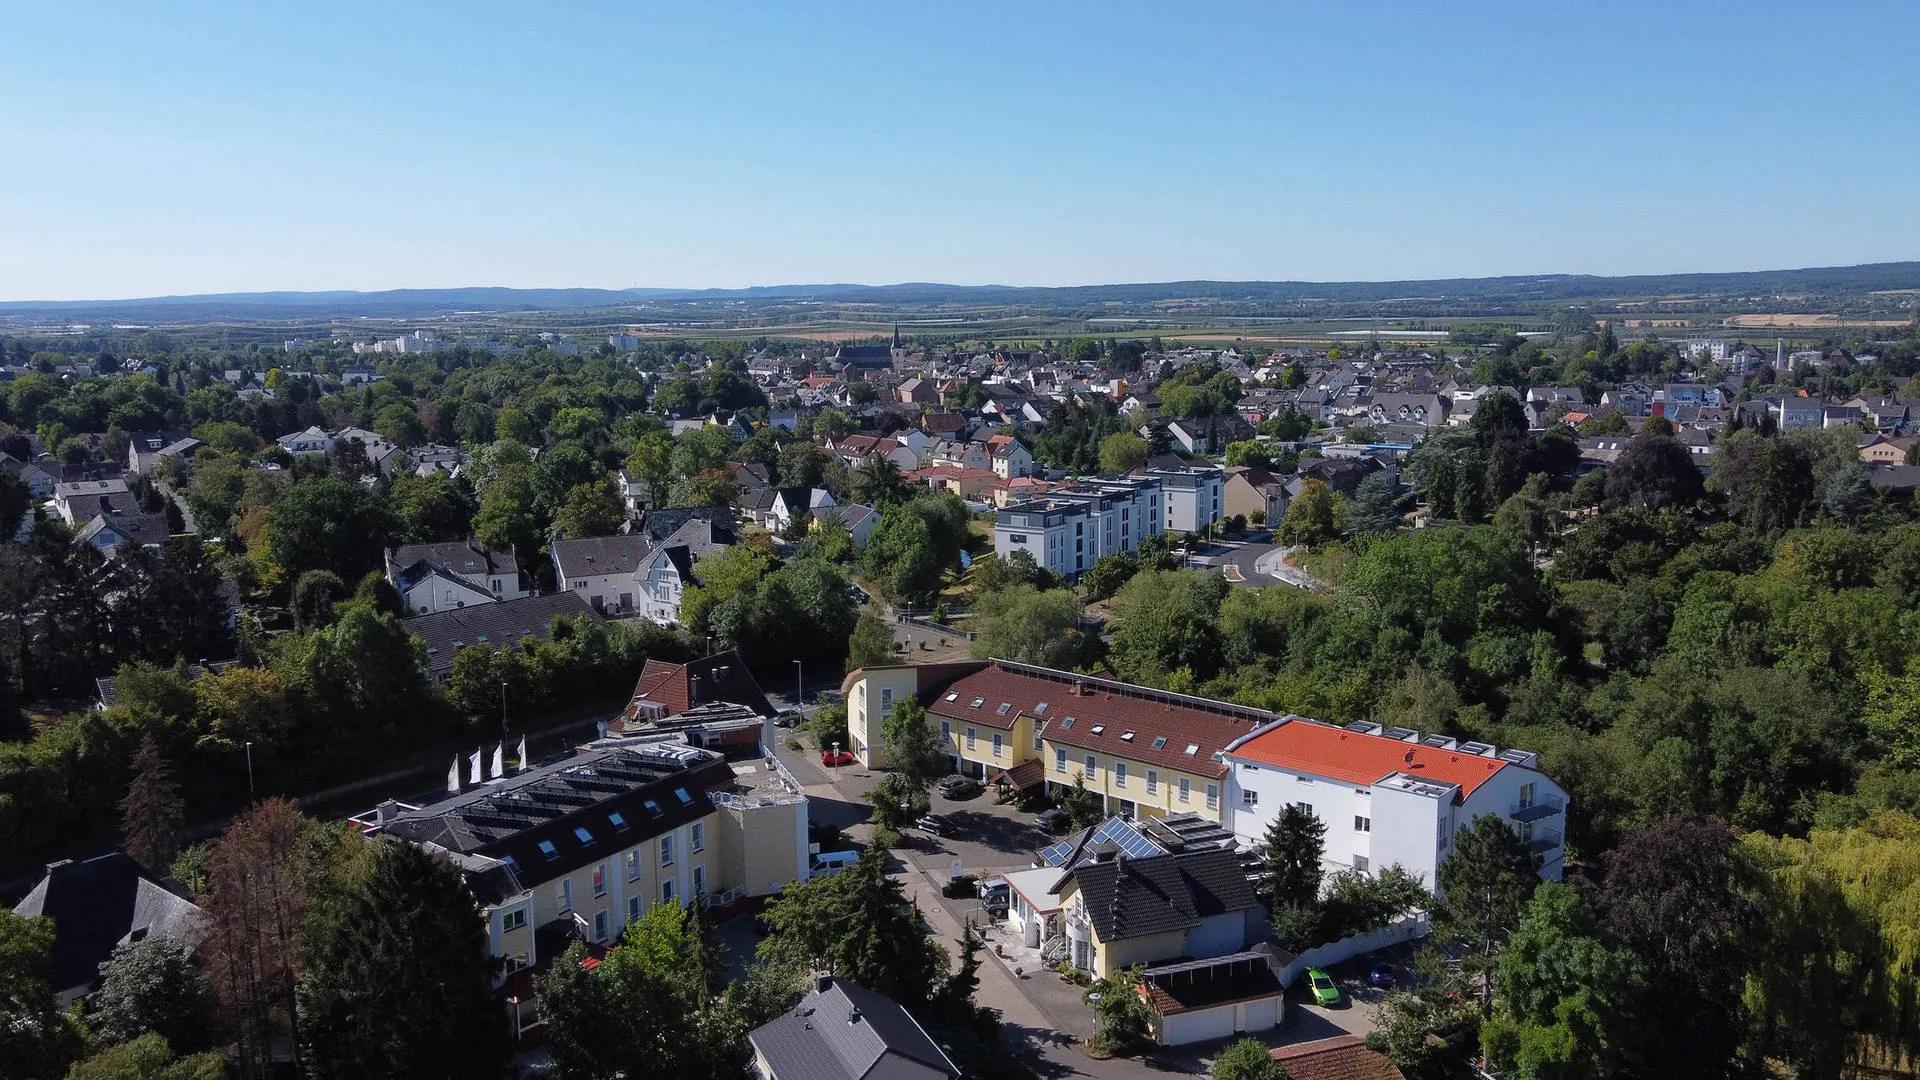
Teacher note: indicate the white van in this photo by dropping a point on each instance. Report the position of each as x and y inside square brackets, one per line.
[832, 862]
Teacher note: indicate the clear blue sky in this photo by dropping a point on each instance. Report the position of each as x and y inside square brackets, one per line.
[198, 147]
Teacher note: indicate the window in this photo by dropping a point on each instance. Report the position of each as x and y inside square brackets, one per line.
[997, 742]
[619, 823]
[1126, 736]
[1249, 798]
[582, 835]
[699, 881]
[1159, 742]
[1303, 807]
[1093, 766]
[514, 919]
[563, 895]
[1362, 824]
[1004, 708]
[1119, 774]
[666, 891]
[946, 732]
[681, 794]
[697, 839]
[666, 850]
[1360, 863]
[1016, 538]
[1059, 759]
[886, 700]
[511, 863]
[600, 880]
[1213, 796]
[653, 808]
[600, 926]
[1192, 749]
[1153, 781]
[635, 909]
[633, 866]
[1186, 789]
[975, 703]
[1441, 839]
[970, 738]
[1036, 740]
[1099, 728]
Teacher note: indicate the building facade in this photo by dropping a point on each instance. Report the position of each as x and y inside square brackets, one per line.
[1072, 527]
[1194, 497]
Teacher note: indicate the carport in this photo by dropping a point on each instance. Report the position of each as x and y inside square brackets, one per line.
[1217, 997]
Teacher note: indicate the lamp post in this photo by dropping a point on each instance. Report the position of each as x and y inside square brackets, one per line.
[799, 690]
[249, 770]
[503, 710]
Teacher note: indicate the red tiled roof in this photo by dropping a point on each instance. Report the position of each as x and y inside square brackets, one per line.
[1116, 708]
[1343, 1057]
[1025, 776]
[1338, 754]
[723, 677]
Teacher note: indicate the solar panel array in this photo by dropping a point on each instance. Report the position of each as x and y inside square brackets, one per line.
[1118, 830]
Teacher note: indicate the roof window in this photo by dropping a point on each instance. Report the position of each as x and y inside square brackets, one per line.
[653, 808]
[1098, 728]
[619, 823]
[1193, 748]
[1004, 708]
[584, 836]
[976, 703]
[1126, 736]
[1159, 742]
[1066, 723]
[511, 863]
[1040, 708]
[953, 696]
[681, 794]
[547, 849]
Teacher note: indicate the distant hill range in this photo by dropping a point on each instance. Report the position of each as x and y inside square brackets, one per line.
[1550, 289]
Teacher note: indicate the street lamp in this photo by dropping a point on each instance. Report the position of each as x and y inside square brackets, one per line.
[799, 690]
[503, 710]
[249, 770]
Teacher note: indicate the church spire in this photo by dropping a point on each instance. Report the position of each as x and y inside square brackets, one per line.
[896, 335]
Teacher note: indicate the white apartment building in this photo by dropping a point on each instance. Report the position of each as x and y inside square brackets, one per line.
[1069, 529]
[1195, 497]
[1389, 796]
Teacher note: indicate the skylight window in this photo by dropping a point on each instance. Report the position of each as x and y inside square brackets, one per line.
[1098, 728]
[1193, 748]
[1066, 723]
[511, 863]
[1126, 736]
[955, 696]
[584, 836]
[619, 822]
[653, 808]
[1159, 742]
[547, 849]
[1040, 708]
[976, 703]
[1005, 707]
[681, 794]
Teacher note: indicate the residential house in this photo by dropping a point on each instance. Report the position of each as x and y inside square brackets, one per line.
[775, 509]
[605, 571]
[79, 501]
[1009, 457]
[302, 443]
[1879, 449]
[580, 848]
[111, 532]
[858, 520]
[751, 477]
[1141, 752]
[40, 483]
[1796, 412]
[1121, 911]
[453, 574]
[1423, 410]
[1194, 496]
[500, 625]
[970, 484]
[1216, 997]
[1389, 796]
[98, 905]
[434, 459]
[1071, 527]
[1342, 1057]
[1886, 414]
[840, 1031]
[146, 449]
[918, 390]
[667, 689]
[1255, 494]
[942, 424]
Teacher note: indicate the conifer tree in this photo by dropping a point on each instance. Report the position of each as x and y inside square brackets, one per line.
[151, 813]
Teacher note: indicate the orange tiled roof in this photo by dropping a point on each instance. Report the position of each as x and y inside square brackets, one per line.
[1338, 754]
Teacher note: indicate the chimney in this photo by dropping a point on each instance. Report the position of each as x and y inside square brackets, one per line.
[385, 811]
[58, 865]
[822, 983]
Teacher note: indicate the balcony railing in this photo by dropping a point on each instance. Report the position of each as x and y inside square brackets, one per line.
[1544, 840]
[1537, 808]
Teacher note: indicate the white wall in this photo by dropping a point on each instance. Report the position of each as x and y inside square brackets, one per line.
[1334, 802]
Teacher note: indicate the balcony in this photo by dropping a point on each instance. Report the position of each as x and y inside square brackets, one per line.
[1544, 840]
[1539, 808]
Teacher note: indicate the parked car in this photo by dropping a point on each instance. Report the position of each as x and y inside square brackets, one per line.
[995, 896]
[958, 787]
[931, 823]
[832, 862]
[1324, 991]
[831, 758]
[1052, 821]
[1381, 976]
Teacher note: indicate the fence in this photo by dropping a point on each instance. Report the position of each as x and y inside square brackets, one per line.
[1415, 926]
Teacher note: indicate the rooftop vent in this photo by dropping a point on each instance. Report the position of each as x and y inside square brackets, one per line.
[1365, 727]
[1402, 734]
[1478, 749]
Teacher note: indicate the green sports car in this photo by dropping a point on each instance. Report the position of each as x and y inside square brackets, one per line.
[1324, 992]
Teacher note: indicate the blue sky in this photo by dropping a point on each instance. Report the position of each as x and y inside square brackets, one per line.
[200, 147]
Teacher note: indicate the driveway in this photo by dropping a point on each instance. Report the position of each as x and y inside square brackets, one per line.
[1257, 566]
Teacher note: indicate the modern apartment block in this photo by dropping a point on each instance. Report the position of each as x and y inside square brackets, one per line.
[579, 848]
[1070, 528]
[1195, 497]
[1389, 795]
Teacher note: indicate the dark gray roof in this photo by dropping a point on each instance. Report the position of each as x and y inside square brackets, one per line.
[97, 904]
[551, 804]
[500, 624]
[844, 1032]
[594, 556]
[662, 525]
[1131, 898]
[456, 556]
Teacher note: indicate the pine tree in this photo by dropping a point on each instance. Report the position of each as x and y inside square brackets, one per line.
[1291, 851]
[1484, 885]
[398, 982]
[151, 813]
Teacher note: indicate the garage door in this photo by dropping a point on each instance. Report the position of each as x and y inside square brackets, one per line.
[1197, 1026]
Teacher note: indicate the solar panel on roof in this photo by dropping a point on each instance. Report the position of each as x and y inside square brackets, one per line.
[1119, 830]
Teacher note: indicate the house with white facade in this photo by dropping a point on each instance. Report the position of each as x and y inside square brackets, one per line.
[1070, 528]
[454, 574]
[1389, 796]
[1009, 457]
[1195, 497]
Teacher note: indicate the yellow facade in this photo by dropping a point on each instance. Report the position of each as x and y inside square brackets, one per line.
[869, 698]
[1153, 789]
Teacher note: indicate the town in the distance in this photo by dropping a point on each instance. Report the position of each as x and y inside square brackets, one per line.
[810, 689]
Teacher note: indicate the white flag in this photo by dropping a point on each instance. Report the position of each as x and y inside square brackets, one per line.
[453, 776]
[524, 763]
[499, 767]
[474, 763]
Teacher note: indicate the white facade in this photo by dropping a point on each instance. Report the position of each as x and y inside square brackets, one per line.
[435, 593]
[1401, 817]
[1073, 527]
[1195, 498]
